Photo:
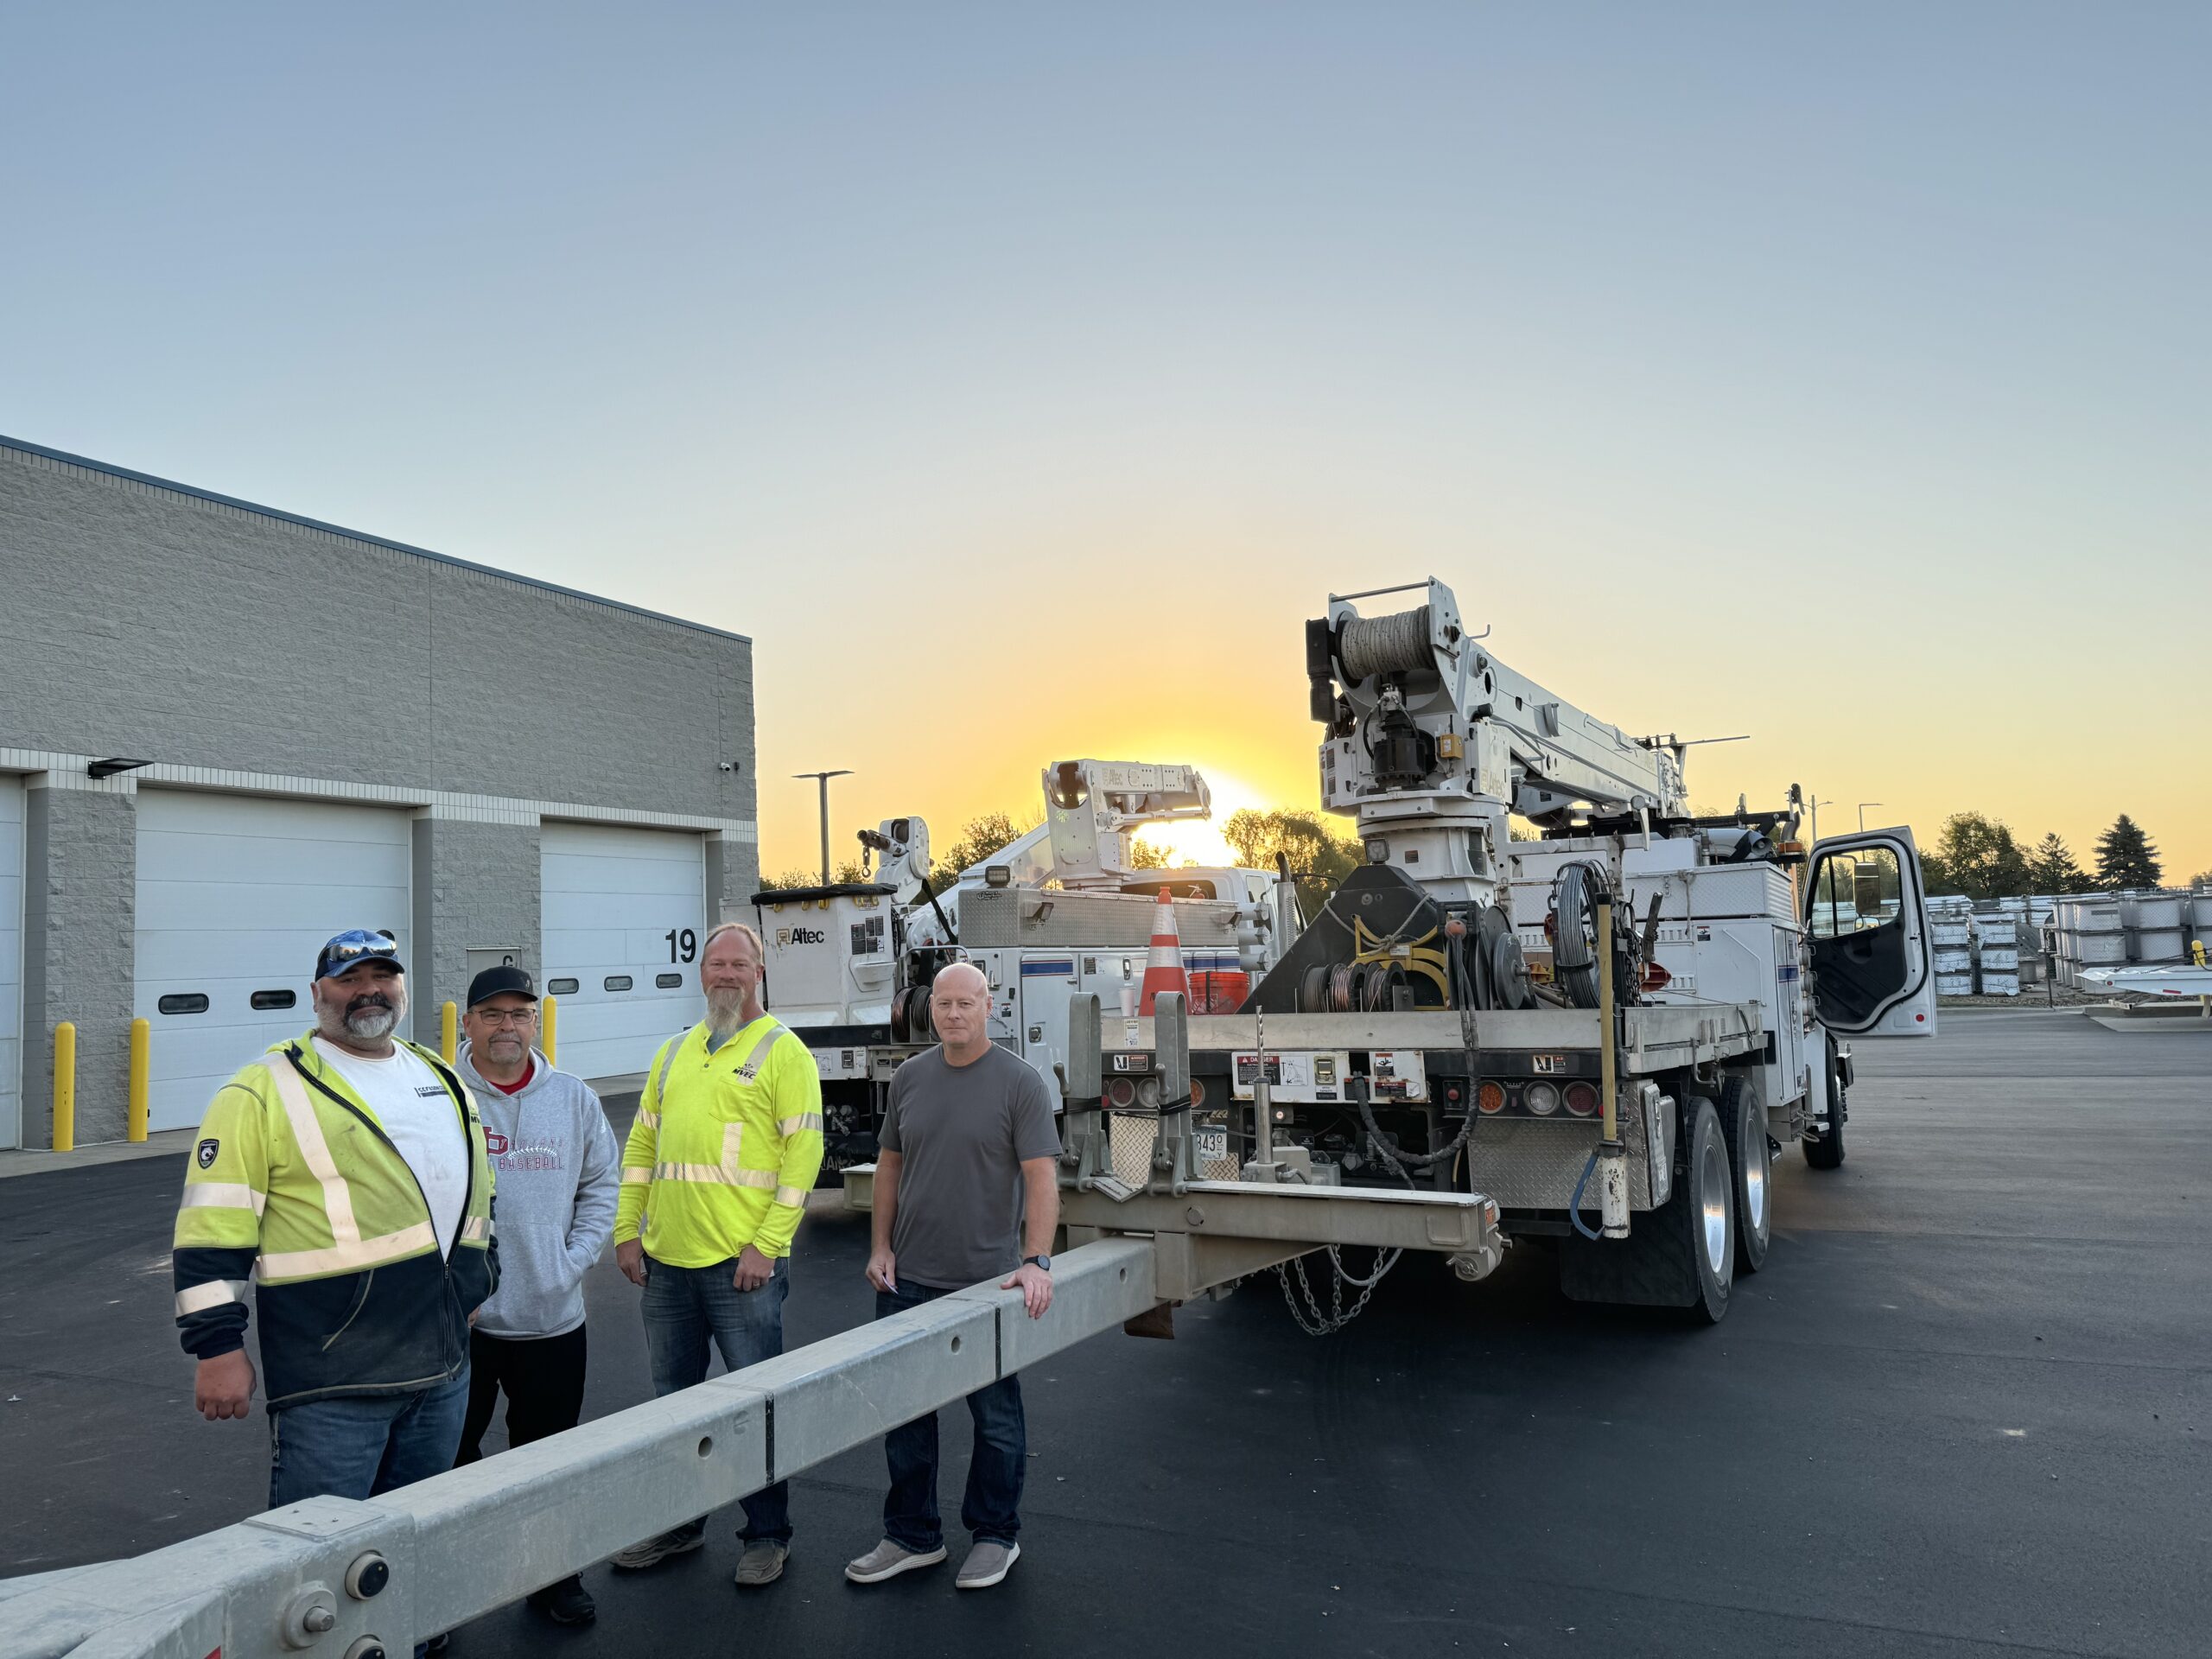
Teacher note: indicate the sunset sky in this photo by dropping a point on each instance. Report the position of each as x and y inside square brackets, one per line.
[1020, 378]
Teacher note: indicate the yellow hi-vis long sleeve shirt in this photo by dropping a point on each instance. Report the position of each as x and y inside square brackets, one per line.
[725, 1148]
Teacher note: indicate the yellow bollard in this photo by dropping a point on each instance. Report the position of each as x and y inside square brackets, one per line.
[65, 1087]
[448, 1032]
[141, 1068]
[548, 1016]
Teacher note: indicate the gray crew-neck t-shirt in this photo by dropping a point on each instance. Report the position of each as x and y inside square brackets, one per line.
[961, 1134]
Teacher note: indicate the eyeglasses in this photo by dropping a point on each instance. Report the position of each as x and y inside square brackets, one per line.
[504, 1016]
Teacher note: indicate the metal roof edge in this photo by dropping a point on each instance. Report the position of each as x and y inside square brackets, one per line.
[28, 447]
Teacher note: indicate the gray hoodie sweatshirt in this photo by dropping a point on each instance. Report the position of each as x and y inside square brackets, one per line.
[555, 1171]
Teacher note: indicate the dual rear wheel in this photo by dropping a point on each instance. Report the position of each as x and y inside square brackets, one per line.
[1718, 1220]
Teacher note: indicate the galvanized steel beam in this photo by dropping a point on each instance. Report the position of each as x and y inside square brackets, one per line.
[559, 1505]
[1309, 1217]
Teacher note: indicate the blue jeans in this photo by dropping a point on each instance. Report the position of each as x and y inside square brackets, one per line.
[359, 1445]
[991, 1509]
[686, 1305]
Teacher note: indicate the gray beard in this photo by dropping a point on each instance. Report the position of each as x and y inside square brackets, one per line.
[725, 1009]
[373, 1025]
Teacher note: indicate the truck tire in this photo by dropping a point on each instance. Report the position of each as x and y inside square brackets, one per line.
[1742, 1124]
[1681, 1255]
[1825, 1149]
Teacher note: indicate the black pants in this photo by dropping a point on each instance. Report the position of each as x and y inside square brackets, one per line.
[544, 1378]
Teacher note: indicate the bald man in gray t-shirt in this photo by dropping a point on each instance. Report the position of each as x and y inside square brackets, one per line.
[967, 1192]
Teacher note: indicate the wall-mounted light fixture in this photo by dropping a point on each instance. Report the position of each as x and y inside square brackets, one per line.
[108, 767]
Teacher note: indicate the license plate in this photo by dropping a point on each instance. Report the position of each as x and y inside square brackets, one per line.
[1212, 1143]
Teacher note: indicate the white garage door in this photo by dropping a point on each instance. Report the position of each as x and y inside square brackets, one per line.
[235, 896]
[11, 960]
[624, 914]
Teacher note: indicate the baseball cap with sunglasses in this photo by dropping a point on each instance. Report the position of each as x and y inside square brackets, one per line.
[355, 946]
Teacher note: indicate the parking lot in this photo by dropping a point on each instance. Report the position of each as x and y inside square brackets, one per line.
[1963, 1410]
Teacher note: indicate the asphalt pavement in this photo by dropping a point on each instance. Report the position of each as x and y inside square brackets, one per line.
[1962, 1411]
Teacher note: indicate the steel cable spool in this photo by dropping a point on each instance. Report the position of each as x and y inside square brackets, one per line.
[1367, 646]
[1313, 989]
[1382, 982]
[1575, 951]
[1509, 974]
[1339, 988]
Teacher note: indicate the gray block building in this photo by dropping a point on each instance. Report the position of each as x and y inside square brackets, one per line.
[227, 731]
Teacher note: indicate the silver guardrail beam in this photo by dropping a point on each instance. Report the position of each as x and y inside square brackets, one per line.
[344, 1579]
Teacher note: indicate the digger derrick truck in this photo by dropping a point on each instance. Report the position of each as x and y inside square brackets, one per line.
[1609, 1031]
[1062, 911]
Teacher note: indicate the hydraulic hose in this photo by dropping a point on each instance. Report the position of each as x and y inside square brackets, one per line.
[1574, 1204]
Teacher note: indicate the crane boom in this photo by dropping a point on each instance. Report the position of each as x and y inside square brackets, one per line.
[1432, 742]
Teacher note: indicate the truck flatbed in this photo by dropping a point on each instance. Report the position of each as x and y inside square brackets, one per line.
[1656, 1037]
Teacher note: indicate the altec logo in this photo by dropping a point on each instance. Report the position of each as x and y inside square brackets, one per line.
[790, 936]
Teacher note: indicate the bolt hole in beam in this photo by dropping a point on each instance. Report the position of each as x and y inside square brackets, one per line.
[706, 1445]
[956, 1344]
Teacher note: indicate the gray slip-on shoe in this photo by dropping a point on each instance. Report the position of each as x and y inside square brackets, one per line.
[762, 1563]
[987, 1564]
[652, 1552]
[888, 1560]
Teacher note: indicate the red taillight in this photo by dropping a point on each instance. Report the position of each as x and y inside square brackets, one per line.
[1120, 1093]
[1197, 1091]
[1581, 1098]
[1491, 1097]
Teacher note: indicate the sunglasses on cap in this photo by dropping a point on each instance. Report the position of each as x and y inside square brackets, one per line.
[355, 946]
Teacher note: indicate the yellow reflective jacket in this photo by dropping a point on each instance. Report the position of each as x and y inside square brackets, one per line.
[725, 1148]
[292, 1185]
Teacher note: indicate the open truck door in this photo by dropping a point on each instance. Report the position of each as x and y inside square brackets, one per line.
[1867, 926]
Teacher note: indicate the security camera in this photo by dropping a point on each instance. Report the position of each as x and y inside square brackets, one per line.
[724, 766]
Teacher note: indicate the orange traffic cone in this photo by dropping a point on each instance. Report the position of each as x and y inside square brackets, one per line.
[1163, 966]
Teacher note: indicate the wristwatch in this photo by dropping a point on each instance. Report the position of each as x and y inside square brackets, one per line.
[1043, 1261]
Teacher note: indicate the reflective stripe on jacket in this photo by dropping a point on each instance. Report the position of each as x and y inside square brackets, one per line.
[725, 1148]
[292, 1185]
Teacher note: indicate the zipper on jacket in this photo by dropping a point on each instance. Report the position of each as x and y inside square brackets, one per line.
[468, 1190]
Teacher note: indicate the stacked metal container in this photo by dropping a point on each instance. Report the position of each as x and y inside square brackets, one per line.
[1996, 946]
[2092, 933]
[1950, 932]
[2109, 931]
[2155, 923]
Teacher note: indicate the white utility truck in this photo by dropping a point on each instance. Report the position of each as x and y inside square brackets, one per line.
[1608, 1032]
[1061, 912]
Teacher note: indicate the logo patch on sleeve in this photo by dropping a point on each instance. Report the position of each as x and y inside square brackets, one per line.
[207, 1151]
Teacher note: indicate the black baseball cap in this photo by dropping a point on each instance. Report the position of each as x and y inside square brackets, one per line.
[354, 946]
[504, 978]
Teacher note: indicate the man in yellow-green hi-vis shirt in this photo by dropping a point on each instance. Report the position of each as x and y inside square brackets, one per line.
[726, 1147]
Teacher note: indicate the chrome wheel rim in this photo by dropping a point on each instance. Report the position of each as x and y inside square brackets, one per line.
[1713, 1193]
[1755, 1186]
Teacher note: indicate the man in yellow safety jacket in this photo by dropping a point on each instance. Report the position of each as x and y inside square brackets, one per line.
[726, 1145]
[343, 1174]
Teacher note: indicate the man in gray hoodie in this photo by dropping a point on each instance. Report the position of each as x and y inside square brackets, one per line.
[557, 1171]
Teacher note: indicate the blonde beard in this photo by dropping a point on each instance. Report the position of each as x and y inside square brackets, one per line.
[725, 1012]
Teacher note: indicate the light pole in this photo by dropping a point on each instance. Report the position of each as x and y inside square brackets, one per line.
[822, 780]
[1817, 805]
[1862, 806]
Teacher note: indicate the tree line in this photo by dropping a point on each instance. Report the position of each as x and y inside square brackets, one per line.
[1977, 856]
